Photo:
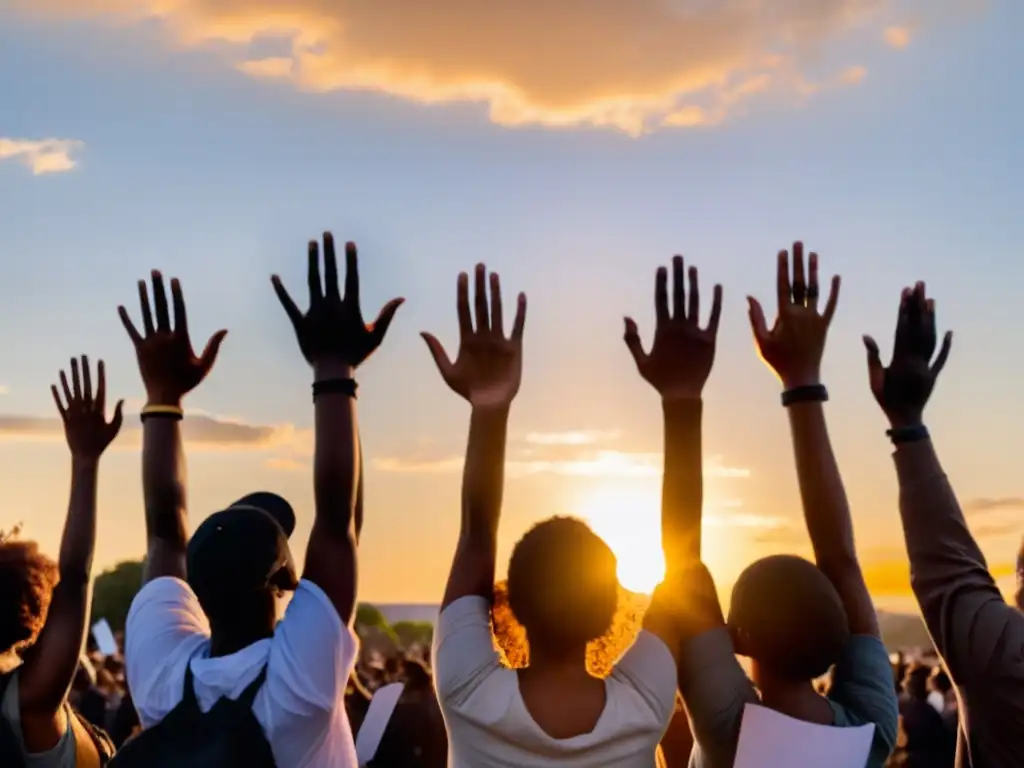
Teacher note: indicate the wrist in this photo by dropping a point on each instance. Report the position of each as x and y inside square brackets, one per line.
[800, 380]
[163, 400]
[84, 462]
[905, 421]
[486, 409]
[325, 370]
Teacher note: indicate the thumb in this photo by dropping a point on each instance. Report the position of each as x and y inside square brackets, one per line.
[876, 371]
[632, 339]
[117, 420]
[444, 365]
[758, 323]
[383, 321]
[209, 356]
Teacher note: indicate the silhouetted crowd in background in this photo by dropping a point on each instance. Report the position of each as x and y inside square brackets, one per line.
[556, 665]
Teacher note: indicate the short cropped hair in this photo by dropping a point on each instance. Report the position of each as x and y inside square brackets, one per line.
[27, 579]
[787, 615]
[562, 584]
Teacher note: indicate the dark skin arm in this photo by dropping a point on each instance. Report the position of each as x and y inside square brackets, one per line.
[678, 367]
[335, 340]
[487, 372]
[170, 370]
[50, 665]
[794, 348]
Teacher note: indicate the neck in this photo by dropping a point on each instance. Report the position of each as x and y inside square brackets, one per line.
[794, 698]
[564, 663]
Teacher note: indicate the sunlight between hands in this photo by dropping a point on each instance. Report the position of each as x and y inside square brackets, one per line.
[333, 329]
[794, 346]
[489, 366]
[167, 362]
[83, 413]
[903, 389]
[683, 353]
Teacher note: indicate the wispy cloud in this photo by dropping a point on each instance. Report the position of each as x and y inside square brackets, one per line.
[202, 432]
[897, 37]
[632, 66]
[42, 156]
[4, 390]
[853, 75]
[580, 437]
[990, 504]
[586, 463]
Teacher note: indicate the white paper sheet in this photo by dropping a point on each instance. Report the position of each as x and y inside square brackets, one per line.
[104, 637]
[769, 739]
[382, 706]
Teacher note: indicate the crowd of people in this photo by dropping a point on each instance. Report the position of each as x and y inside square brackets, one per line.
[212, 676]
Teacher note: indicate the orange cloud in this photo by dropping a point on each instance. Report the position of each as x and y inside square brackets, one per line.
[897, 37]
[853, 75]
[628, 65]
[42, 156]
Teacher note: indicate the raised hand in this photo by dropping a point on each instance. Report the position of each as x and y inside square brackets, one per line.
[794, 345]
[681, 357]
[903, 389]
[489, 365]
[167, 362]
[333, 330]
[84, 414]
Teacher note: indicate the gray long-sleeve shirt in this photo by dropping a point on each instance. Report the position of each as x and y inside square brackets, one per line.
[980, 636]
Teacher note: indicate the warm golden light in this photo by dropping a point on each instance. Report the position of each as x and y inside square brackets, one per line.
[628, 518]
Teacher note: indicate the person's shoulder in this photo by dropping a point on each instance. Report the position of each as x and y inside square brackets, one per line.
[161, 594]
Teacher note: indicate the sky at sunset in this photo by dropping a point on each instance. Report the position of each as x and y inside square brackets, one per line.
[573, 147]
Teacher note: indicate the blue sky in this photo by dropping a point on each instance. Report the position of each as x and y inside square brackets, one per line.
[903, 164]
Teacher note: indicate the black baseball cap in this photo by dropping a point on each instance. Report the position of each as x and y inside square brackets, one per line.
[243, 548]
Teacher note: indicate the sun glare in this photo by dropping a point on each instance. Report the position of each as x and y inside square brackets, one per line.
[628, 518]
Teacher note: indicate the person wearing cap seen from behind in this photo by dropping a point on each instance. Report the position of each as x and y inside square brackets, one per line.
[208, 611]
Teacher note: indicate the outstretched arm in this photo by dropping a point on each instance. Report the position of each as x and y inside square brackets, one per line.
[51, 663]
[170, 370]
[793, 348]
[487, 372]
[335, 340]
[980, 636]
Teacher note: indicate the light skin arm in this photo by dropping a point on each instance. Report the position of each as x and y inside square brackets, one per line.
[50, 665]
[487, 373]
[793, 348]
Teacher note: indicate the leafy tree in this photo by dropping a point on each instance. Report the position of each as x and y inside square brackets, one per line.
[114, 591]
[414, 633]
[369, 616]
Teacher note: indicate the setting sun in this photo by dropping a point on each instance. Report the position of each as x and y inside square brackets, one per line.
[628, 518]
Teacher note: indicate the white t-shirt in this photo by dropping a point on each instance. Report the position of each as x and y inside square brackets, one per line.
[489, 725]
[308, 660]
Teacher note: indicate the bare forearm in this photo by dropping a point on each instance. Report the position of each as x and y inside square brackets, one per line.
[336, 463]
[53, 660]
[483, 479]
[78, 542]
[163, 486]
[682, 483]
[826, 509]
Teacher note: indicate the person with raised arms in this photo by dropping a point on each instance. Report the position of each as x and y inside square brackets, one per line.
[978, 634]
[794, 619]
[562, 588]
[45, 615]
[217, 680]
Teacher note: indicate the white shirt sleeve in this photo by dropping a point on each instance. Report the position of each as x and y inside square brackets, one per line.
[302, 702]
[464, 653]
[649, 670]
[165, 627]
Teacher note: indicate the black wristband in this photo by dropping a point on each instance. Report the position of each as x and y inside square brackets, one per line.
[914, 434]
[168, 415]
[815, 393]
[335, 387]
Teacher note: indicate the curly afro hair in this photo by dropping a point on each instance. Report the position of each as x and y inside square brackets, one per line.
[27, 579]
[562, 584]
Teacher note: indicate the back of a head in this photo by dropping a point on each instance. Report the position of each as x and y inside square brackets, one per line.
[787, 616]
[27, 579]
[915, 683]
[562, 585]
